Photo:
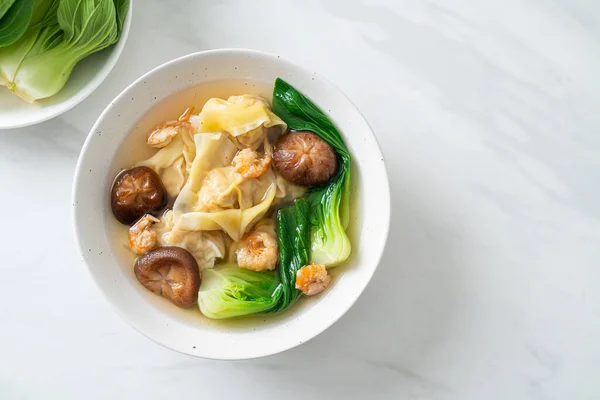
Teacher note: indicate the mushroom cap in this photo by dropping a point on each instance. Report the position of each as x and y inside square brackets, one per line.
[170, 272]
[304, 159]
[136, 192]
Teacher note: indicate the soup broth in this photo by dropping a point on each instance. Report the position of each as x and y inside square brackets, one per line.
[133, 149]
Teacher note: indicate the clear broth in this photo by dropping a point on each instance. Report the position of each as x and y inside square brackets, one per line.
[134, 149]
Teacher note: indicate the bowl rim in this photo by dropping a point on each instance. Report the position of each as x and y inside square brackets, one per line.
[340, 311]
[91, 86]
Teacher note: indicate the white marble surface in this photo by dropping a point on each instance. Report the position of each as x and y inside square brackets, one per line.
[488, 115]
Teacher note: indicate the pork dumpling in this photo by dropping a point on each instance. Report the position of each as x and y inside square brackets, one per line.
[224, 188]
[219, 190]
[174, 161]
[213, 151]
[205, 246]
[216, 197]
[234, 211]
[247, 118]
[286, 191]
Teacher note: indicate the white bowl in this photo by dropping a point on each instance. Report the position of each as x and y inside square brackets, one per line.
[86, 77]
[117, 133]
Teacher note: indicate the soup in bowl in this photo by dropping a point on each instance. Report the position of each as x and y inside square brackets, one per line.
[231, 204]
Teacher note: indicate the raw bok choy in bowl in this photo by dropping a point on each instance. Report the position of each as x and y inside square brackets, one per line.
[41, 43]
[243, 227]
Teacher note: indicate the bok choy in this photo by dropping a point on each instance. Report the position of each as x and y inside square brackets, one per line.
[329, 204]
[293, 231]
[60, 34]
[231, 291]
[44, 14]
[15, 16]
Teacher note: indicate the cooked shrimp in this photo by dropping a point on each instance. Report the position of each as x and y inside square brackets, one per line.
[248, 164]
[161, 137]
[312, 279]
[165, 132]
[142, 238]
[257, 251]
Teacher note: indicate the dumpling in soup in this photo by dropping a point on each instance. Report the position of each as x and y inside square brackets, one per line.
[205, 246]
[216, 197]
[247, 118]
[174, 161]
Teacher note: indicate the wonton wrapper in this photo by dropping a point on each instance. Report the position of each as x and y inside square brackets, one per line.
[206, 247]
[286, 191]
[235, 222]
[211, 195]
[213, 151]
[174, 161]
[244, 117]
[215, 197]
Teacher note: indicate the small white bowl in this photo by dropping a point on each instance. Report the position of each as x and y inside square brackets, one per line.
[101, 239]
[86, 77]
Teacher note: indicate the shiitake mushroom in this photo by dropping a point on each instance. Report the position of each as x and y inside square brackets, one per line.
[136, 192]
[170, 272]
[304, 159]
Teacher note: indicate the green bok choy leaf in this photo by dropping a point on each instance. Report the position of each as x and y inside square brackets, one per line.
[14, 19]
[44, 14]
[230, 291]
[40, 63]
[329, 204]
[5, 6]
[293, 230]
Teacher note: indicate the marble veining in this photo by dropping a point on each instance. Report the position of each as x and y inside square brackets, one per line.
[487, 114]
